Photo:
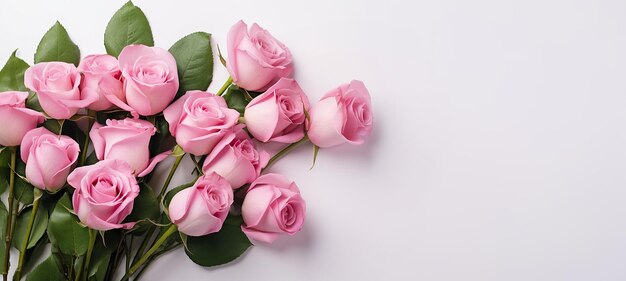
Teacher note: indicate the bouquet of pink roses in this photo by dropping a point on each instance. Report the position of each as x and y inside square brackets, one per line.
[81, 139]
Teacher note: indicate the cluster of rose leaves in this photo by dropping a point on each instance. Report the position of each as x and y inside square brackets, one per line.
[118, 99]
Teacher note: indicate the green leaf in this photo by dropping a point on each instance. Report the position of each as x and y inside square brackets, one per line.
[236, 98]
[21, 226]
[46, 271]
[102, 254]
[53, 125]
[221, 247]
[35, 254]
[145, 207]
[12, 74]
[4, 179]
[56, 45]
[4, 216]
[194, 60]
[161, 140]
[5, 157]
[64, 230]
[91, 159]
[65, 263]
[128, 26]
[33, 102]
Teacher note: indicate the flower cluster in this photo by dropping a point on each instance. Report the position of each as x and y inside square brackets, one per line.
[90, 133]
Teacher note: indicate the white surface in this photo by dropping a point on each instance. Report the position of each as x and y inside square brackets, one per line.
[499, 149]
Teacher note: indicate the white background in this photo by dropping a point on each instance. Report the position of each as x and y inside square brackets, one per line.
[499, 150]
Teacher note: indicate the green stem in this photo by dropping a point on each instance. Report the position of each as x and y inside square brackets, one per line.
[284, 151]
[225, 86]
[114, 263]
[171, 230]
[83, 154]
[166, 184]
[151, 230]
[9, 230]
[129, 248]
[85, 266]
[37, 193]
[153, 258]
[61, 123]
[144, 244]
[70, 269]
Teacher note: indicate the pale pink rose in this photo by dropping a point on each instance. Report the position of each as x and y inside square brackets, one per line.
[201, 209]
[199, 120]
[272, 206]
[150, 79]
[49, 158]
[104, 194]
[19, 119]
[279, 113]
[127, 140]
[236, 159]
[342, 115]
[57, 87]
[95, 68]
[255, 58]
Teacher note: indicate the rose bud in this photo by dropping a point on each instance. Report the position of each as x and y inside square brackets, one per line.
[256, 59]
[57, 87]
[49, 158]
[127, 140]
[20, 119]
[199, 120]
[236, 159]
[95, 68]
[279, 113]
[342, 115]
[272, 206]
[201, 209]
[150, 79]
[104, 194]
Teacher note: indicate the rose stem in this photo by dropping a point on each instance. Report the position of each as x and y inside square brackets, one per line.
[85, 265]
[37, 193]
[284, 151]
[7, 236]
[83, 154]
[61, 123]
[154, 257]
[114, 263]
[166, 184]
[225, 86]
[171, 230]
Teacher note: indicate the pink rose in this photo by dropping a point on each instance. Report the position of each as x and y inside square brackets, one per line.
[150, 80]
[256, 59]
[95, 68]
[19, 119]
[278, 114]
[104, 194]
[199, 120]
[49, 158]
[236, 159]
[201, 209]
[56, 85]
[342, 115]
[272, 206]
[127, 140]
